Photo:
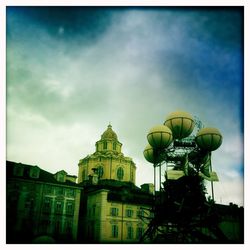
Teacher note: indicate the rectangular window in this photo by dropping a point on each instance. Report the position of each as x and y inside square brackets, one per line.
[59, 207]
[129, 213]
[47, 204]
[114, 146]
[131, 175]
[105, 145]
[18, 170]
[114, 211]
[130, 232]
[114, 231]
[70, 208]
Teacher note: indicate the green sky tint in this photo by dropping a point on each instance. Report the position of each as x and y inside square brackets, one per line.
[67, 78]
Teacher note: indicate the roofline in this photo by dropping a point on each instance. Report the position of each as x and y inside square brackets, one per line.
[43, 182]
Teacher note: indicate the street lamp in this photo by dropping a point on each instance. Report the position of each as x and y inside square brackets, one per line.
[184, 145]
[175, 144]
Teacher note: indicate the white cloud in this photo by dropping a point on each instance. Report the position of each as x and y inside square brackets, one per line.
[126, 77]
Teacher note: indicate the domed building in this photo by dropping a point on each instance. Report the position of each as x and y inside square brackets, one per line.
[108, 162]
[112, 206]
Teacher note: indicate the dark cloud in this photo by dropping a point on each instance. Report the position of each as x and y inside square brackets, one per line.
[84, 23]
[75, 69]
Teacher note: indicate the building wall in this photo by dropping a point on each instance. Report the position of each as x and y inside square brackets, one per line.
[35, 208]
[62, 212]
[110, 166]
[113, 222]
[108, 160]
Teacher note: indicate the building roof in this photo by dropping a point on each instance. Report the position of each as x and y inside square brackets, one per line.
[120, 191]
[44, 176]
[109, 134]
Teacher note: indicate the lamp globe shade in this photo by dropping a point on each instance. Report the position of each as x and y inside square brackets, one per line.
[149, 153]
[160, 136]
[181, 123]
[208, 139]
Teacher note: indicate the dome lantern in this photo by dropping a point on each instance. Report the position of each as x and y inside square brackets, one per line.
[181, 124]
[209, 139]
[160, 136]
[109, 134]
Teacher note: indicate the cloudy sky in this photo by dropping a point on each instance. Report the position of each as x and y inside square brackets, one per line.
[72, 70]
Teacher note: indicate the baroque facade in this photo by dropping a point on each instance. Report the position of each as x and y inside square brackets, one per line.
[108, 161]
[41, 206]
[113, 207]
[103, 206]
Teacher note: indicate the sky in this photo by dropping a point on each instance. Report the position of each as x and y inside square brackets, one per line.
[73, 70]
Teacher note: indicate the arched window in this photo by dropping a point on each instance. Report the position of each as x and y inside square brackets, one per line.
[100, 171]
[131, 175]
[120, 173]
[83, 174]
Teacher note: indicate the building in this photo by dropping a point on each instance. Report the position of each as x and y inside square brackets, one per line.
[41, 207]
[232, 222]
[105, 206]
[108, 161]
[113, 209]
[114, 212]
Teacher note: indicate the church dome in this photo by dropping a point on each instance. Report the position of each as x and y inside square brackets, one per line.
[109, 134]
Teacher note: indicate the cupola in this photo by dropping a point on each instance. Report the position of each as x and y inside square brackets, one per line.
[108, 142]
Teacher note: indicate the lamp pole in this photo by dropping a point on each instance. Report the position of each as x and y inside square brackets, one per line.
[178, 143]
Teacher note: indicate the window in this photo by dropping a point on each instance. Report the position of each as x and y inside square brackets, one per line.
[139, 232]
[34, 172]
[70, 207]
[61, 178]
[29, 205]
[100, 171]
[131, 175]
[114, 146]
[47, 204]
[114, 211]
[83, 174]
[105, 145]
[129, 232]
[18, 171]
[59, 207]
[120, 173]
[114, 231]
[129, 213]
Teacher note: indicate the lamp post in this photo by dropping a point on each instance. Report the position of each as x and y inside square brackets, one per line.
[176, 144]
